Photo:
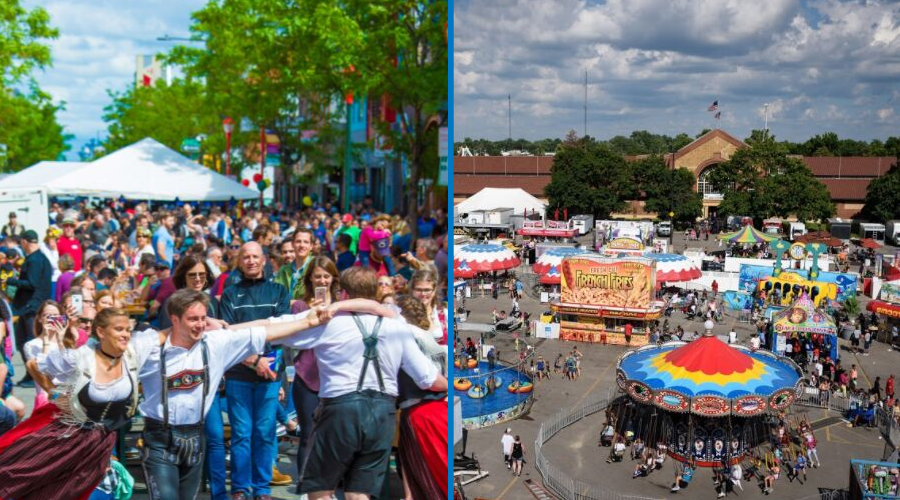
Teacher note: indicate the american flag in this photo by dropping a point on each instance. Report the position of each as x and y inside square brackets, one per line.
[714, 106]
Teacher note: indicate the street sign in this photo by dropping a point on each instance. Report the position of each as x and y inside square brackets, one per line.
[190, 145]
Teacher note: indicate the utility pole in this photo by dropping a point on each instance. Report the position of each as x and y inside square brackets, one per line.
[509, 118]
[585, 103]
[766, 105]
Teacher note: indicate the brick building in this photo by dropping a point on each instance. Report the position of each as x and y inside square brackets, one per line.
[845, 177]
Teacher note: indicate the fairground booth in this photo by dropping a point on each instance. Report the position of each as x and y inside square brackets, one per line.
[607, 300]
[704, 400]
[803, 320]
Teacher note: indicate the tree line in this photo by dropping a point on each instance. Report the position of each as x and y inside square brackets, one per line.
[642, 142]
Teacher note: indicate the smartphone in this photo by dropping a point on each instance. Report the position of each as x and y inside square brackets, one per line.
[78, 303]
[61, 319]
[321, 293]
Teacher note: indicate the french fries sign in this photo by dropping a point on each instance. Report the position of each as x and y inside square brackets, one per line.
[626, 283]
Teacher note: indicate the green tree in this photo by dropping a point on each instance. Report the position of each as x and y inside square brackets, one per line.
[167, 113]
[667, 190]
[264, 58]
[762, 181]
[883, 197]
[29, 129]
[23, 36]
[28, 126]
[589, 178]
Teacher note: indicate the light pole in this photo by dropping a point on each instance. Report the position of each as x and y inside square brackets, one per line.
[228, 127]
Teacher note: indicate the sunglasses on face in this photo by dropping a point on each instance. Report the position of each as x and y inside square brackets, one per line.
[85, 321]
[196, 276]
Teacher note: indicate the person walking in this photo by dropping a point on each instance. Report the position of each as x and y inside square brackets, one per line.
[889, 386]
[518, 456]
[32, 289]
[506, 444]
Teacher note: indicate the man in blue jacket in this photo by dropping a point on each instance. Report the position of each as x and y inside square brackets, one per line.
[252, 386]
[32, 288]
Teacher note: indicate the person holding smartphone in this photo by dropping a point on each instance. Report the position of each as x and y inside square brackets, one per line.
[51, 329]
[321, 287]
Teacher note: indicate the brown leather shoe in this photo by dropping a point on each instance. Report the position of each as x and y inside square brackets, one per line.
[279, 479]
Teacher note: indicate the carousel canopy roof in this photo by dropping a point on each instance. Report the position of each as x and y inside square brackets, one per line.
[674, 267]
[803, 316]
[709, 377]
[553, 258]
[478, 258]
[747, 234]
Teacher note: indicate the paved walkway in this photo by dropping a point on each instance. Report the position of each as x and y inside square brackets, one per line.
[575, 449]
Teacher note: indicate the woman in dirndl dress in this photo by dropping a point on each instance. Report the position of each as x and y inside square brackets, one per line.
[62, 451]
[423, 416]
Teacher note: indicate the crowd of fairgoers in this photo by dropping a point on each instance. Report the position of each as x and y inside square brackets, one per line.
[115, 294]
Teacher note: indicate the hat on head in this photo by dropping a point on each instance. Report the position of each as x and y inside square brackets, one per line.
[31, 236]
[68, 220]
[347, 219]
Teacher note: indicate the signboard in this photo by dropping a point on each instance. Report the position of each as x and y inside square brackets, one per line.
[618, 283]
[625, 244]
[443, 153]
[890, 292]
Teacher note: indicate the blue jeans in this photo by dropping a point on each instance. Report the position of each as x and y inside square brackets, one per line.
[215, 450]
[251, 411]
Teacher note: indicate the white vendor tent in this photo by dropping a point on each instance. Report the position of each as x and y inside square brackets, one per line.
[145, 170]
[491, 198]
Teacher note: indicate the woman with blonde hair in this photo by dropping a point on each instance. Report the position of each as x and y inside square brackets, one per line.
[51, 328]
[423, 286]
[423, 416]
[63, 449]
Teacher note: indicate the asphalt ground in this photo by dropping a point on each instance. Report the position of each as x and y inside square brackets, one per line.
[575, 449]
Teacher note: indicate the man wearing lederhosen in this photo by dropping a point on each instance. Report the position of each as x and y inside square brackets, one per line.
[358, 357]
[180, 369]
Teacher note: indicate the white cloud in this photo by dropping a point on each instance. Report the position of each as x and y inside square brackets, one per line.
[884, 114]
[821, 66]
[96, 50]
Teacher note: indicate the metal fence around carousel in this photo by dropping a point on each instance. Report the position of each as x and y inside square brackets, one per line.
[568, 488]
[554, 478]
[886, 423]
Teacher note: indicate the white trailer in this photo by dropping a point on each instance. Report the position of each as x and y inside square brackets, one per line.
[583, 223]
[31, 206]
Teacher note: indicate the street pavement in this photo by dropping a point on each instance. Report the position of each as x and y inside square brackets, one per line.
[575, 449]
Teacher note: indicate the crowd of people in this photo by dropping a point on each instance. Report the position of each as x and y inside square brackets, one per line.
[308, 322]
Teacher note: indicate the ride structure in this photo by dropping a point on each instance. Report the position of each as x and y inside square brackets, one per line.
[706, 401]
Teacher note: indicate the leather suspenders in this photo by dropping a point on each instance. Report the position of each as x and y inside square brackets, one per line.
[165, 382]
[370, 341]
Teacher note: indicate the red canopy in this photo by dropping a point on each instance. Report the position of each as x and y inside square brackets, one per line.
[869, 243]
[710, 356]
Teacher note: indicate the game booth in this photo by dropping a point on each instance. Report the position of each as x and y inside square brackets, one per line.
[718, 402]
[606, 300]
[803, 319]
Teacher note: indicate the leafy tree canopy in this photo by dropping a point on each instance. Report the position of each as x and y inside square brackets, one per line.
[589, 178]
[883, 197]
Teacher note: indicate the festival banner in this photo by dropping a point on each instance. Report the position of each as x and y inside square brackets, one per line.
[597, 281]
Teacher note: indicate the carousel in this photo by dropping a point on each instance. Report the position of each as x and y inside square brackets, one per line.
[705, 401]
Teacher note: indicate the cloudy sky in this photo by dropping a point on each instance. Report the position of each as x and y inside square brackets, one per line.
[658, 64]
[96, 50]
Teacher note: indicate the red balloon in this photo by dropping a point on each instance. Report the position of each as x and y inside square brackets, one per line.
[246, 183]
[257, 177]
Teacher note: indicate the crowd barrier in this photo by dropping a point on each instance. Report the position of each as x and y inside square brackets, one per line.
[886, 423]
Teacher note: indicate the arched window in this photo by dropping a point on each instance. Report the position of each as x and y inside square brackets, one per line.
[704, 186]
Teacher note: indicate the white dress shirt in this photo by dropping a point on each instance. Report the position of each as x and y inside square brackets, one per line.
[226, 349]
[339, 354]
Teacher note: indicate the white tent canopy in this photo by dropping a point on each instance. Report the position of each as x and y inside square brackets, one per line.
[145, 170]
[491, 198]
